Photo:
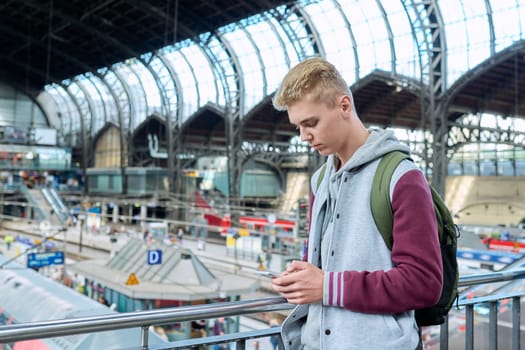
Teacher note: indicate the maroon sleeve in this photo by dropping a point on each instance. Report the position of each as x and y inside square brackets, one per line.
[416, 279]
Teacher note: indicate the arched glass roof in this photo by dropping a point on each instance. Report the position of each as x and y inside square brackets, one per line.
[247, 59]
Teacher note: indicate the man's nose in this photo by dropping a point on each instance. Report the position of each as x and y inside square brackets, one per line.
[305, 136]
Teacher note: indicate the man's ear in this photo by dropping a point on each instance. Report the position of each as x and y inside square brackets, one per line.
[346, 104]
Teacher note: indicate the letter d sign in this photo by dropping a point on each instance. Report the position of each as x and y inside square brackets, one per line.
[154, 257]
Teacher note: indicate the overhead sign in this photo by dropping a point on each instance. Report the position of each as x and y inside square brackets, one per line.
[132, 280]
[36, 260]
[154, 257]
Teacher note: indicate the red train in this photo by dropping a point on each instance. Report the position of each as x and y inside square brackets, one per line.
[258, 224]
[252, 223]
[506, 245]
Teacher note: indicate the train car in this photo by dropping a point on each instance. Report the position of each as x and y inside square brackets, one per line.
[27, 296]
[513, 246]
[284, 228]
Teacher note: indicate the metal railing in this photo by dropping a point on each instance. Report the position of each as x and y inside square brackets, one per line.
[145, 319]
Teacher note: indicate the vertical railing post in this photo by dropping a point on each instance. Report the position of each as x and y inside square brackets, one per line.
[240, 344]
[144, 335]
[280, 344]
[493, 325]
[469, 332]
[443, 335]
[516, 323]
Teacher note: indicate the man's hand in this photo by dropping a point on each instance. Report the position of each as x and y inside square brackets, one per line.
[300, 283]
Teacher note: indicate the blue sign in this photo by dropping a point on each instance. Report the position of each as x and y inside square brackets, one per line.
[154, 257]
[36, 260]
[488, 256]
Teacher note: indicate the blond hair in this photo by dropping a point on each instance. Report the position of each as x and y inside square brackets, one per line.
[314, 79]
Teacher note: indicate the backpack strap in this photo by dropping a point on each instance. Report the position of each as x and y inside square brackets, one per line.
[380, 203]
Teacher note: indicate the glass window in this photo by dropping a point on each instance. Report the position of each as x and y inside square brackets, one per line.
[189, 86]
[251, 69]
[272, 55]
[207, 84]
[335, 37]
[470, 168]
[406, 51]
[505, 168]
[134, 87]
[508, 17]
[487, 168]
[520, 167]
[454, 169]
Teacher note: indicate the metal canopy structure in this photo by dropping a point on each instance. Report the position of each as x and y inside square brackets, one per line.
[52, 40]
[495, 86]
[208, 69]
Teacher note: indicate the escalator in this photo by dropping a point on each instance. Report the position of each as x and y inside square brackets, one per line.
[48, 206]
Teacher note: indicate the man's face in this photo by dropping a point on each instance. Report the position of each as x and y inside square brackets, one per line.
[319, 125]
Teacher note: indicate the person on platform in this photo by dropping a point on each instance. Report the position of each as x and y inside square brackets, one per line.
[199, 230]
[219, 329]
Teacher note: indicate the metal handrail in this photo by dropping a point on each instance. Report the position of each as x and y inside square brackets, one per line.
[491, 277]
[144, 319]
[82, 325]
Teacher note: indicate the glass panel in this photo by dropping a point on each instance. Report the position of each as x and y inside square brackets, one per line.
[189, 86]
[455, 169]
[17, 109]
[371, 35]
[470, 168]
[116, 85]
[508, 17]
[467, 35]
[251, 68]
[293, 28]
[335, 37]
[75, 90]
[406, 52]
[487, 168]
[505, 168]
[224, 64]
[169, 86]
[150, 87]
[272, 54]
[67, 113]
[206, 82]
[520, 167]
[110, 106]
[98, 115]
[136, 92]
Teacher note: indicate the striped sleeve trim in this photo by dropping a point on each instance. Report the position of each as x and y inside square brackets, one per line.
[334, 289]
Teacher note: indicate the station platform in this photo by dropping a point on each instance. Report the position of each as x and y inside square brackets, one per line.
[215, 255]
[99, 246]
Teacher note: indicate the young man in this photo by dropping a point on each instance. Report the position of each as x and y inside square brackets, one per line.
[353, 292]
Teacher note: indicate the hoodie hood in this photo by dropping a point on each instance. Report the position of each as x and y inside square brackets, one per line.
[378, 143]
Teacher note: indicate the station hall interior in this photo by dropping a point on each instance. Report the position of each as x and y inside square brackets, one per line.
[132, 127]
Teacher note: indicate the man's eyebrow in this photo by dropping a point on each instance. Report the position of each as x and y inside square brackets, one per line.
[308, 120]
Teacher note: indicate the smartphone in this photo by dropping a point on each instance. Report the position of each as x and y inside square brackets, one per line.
[267, 273]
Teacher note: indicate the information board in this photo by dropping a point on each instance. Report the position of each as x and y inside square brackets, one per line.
[36, 260]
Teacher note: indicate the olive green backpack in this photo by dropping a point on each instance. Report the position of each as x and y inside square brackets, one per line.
[381, 207]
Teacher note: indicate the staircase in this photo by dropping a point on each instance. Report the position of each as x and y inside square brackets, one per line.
[297, 187]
